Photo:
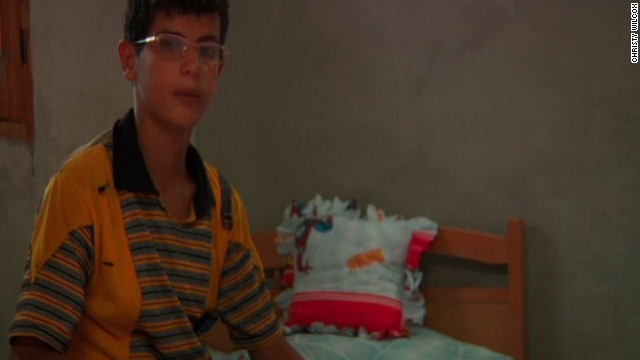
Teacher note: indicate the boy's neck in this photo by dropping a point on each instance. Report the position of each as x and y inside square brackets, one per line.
[164, 149]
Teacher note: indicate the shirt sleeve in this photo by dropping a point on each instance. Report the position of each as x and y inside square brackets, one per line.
[51, 298]
[244, 302]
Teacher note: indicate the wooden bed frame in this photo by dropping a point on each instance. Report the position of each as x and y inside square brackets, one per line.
[493, 317]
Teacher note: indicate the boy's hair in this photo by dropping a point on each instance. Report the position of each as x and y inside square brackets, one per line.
[139, 14]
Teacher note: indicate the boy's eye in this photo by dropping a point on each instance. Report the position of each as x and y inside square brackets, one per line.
[209, 51]
[171, 44]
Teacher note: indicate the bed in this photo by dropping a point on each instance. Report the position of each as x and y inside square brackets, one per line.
[461, 322]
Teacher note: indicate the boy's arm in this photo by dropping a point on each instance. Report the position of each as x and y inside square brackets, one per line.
[25, 348]
[244, 302]
[60, 262]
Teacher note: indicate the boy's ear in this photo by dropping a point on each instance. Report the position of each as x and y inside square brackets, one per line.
[128, 57]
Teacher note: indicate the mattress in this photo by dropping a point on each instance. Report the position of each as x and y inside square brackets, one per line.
[423, 344]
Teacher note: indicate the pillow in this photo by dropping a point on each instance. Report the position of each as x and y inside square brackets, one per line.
[349, 272]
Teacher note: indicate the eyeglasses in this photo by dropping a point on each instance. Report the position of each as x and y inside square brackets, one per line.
[174, 47]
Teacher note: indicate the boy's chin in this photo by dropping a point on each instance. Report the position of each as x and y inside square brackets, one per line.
[184, 119]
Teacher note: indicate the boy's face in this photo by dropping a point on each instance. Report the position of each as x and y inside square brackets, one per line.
[175, 92]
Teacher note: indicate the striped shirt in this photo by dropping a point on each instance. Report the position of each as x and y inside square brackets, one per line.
[172, 260]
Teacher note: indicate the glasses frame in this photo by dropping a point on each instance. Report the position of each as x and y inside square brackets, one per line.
[157, 37]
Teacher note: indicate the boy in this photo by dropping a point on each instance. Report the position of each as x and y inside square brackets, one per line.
[139, 247]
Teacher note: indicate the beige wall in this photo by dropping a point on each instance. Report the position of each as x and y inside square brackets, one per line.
[467, 112]
[16, 218]
[464, 113]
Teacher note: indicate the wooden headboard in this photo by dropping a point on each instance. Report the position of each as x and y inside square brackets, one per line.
[493, 317]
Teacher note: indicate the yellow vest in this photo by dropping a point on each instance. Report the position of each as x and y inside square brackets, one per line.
[112, 296]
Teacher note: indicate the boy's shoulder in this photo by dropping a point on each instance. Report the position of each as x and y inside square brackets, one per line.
[90, 163]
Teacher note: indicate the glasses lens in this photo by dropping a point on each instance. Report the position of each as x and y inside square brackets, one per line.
[210, 53]
[171, 46]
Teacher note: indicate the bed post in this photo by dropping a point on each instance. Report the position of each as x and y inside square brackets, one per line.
[517, 288]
